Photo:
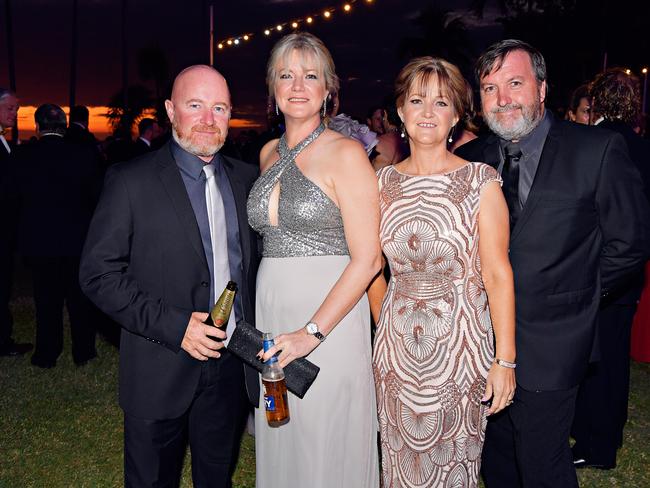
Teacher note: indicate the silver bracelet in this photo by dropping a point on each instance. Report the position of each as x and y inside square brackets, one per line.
[505, 364]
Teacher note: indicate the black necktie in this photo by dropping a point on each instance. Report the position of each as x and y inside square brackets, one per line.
[510, 175]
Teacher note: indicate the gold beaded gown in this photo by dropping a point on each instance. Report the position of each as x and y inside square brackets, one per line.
[434, 342]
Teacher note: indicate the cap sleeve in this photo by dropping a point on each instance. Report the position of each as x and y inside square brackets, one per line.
[487, 174]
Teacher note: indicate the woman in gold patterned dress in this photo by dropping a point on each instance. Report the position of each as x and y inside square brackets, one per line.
[436, 371]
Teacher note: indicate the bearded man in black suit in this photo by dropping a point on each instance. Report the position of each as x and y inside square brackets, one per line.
[169, 232]
[579, 228]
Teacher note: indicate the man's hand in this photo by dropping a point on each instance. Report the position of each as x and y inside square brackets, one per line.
[196, 341]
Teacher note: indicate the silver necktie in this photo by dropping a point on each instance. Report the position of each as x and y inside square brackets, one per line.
[219, 239]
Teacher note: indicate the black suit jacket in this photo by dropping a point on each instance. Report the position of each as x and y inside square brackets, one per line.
[7, 211]
[639, 149]
[140, 147]
[54, 186]
[583, 231]
[144, 265]
[78, 135]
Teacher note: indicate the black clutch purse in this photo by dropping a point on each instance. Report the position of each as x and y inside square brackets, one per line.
[246, 341]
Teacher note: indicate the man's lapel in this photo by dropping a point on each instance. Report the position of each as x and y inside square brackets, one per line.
[173, 183]
[541, 180]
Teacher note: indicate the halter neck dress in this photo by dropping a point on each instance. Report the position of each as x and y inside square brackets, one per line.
[331, 439]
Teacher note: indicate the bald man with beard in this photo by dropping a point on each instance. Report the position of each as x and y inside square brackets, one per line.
[170, 230]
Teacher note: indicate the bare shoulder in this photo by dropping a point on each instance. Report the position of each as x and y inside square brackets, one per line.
[343, 151]
[268, 154]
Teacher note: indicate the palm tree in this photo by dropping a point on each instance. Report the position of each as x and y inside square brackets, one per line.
[122, 118]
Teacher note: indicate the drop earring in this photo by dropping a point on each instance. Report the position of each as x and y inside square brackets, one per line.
[277, 110]
[324, 107]
[402, 131]
[451, 134]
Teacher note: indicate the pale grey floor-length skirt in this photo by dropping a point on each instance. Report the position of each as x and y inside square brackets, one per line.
[331, 439]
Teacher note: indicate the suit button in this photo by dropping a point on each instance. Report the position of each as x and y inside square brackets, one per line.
[205, 284]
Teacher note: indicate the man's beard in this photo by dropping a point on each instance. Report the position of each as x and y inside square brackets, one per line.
[524, 125]
[204, 149]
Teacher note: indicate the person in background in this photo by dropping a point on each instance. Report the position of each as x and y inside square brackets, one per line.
[598, 424]
[78, 128]
[375, 120]
[8, 114]
[148, 130]
[568, 188]
[579, 110]
[55, 185]
[392, 144]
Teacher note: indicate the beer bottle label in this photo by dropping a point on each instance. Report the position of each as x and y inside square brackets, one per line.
[269, 401]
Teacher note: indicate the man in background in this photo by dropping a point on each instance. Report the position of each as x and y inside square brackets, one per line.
[54, 186]
[8, 114]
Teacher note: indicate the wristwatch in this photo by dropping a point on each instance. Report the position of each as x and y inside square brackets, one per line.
[312, 329]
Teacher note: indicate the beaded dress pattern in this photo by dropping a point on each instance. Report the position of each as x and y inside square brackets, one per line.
[434, 343]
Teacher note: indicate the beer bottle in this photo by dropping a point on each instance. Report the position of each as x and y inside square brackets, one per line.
[275, 388]
[223, 307]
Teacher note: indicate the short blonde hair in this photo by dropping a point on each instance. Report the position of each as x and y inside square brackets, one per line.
[418, 73]
[307, 44]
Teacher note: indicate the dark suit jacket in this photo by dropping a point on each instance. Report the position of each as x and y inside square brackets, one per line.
[55, 186]
[639, 149]
[583, 230]
[7, 213]
[144, 265]
[140, 147]
[78, 135]
[4, 155]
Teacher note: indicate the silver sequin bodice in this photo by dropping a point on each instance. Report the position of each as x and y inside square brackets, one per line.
[309, 223]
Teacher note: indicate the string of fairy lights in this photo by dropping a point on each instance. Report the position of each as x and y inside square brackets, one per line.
[325, 15]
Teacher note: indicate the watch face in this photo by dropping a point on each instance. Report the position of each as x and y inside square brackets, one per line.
[312, 328]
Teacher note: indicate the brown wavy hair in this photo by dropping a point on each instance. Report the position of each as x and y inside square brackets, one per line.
[616, 95]
[419, 72]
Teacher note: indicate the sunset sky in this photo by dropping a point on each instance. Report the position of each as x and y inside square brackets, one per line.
[366, 44]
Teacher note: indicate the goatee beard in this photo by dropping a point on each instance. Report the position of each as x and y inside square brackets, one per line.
[204, 150]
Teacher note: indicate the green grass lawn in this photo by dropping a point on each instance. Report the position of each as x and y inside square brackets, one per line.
[63, 428]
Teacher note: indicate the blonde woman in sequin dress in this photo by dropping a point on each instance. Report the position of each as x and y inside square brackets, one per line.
[444, 230]
[316, 206]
